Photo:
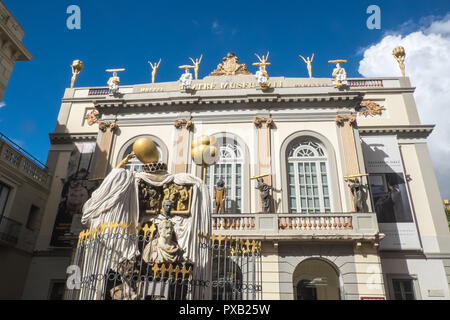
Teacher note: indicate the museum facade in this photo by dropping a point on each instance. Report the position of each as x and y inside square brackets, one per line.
[355, 210]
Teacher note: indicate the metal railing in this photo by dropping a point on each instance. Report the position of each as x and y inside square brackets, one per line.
[120, 262]
[9, 230]
[19, 158]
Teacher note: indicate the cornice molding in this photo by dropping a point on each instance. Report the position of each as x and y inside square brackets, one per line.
[63, 138]
[405, 129]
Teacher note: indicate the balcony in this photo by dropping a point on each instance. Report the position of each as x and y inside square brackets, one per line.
[24, 163]
[9, 231]
[326, 226]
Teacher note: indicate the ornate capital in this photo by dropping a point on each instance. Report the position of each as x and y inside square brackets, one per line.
[188, 124]
[103, 126]
[340, 120]
[92, 118]
[371, 109]
[263, 122]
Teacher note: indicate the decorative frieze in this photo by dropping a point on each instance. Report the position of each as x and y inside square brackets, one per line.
[371, 109]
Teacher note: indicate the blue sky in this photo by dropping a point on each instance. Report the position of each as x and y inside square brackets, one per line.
[129, 33]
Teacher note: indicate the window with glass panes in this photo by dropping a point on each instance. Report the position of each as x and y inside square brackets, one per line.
[134, 164]
[308, 178]
[4, 193]
[403, 289]
[229, 169]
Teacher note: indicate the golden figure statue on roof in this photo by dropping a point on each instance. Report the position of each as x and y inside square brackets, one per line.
[196, 66]
[308, 62]
[261, 75]
[77, 67]
[262, 62]
[155, 67]
[400, 55]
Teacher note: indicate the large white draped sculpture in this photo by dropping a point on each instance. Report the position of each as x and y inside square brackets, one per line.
[116, 200]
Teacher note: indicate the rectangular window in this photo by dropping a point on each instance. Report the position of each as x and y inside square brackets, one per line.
[57, 289]
[4, 194]
[33, 218]
[403, 289]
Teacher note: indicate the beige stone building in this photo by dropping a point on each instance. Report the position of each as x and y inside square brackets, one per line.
[326, 236]
[24, 185]
[24, 181]
[11, 47]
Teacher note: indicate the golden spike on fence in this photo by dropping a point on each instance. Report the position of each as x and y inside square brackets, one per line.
[171, 269]
[155, 270]
[152, 230]
[115, 226]
[177, 271]
[213, 239]
[138, 229]
[248, 243]
[184, 271]
[123, 226]
[254, 246]
[233, 252]
[131, 227]
[80, 237]
[110, 227]
[220, 238]
[146, 230]
[163, 270]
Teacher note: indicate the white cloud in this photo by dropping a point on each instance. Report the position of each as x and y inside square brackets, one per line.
[2, 104]
[428, 67]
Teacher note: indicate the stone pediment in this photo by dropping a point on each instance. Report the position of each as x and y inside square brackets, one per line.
[230, 67]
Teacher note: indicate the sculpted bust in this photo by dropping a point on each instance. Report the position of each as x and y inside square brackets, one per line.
[164, 249]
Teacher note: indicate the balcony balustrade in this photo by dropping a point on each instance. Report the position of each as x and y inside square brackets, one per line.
[297, 226]
[15, 156]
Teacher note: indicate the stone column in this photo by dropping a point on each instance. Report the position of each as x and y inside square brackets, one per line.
[103, 151]
[183, 149]
[263, 126]
[347, 126]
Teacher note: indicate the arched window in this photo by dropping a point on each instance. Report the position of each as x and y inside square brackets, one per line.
[307, 166]
[136, 165]
[229, 169]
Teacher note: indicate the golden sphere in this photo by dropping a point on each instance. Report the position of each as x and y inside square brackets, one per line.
[204, 140]
[145, 150]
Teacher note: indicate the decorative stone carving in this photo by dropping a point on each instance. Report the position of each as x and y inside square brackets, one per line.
[152, 198]
[103, 126]
[165, 248]
[92, 118]
[263, 122]
[230, 67]
[188, 124]
[371, 109]
[186, 79]
[340, 120]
